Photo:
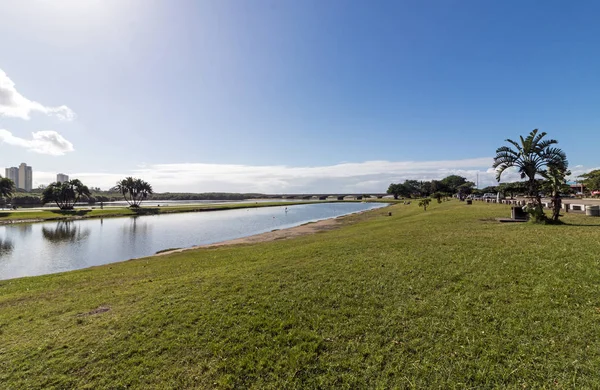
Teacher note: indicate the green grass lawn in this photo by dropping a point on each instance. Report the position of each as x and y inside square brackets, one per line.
[446, 298]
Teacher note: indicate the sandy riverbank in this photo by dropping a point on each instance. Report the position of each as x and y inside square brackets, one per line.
[296, 231]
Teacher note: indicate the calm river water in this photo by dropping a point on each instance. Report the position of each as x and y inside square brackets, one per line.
[49, 247]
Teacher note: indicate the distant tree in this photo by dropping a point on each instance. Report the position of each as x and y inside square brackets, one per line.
[400, 190]
[465, 188]
[394, 189]
[412, 187]
[133, 190]
[517, 187]
[489, 189]
[424, 203]
[591, 180]
[26, 200]
[453, 182]
[425, 188]
[531, 156]
[438, 186]
[65, 194]
[7, 188]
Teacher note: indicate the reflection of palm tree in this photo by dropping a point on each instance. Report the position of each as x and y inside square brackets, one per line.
[24, 229]
[134, 226]
[6, 246]
[65, 231]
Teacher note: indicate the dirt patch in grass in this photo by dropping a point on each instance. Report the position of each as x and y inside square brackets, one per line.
[98, 310]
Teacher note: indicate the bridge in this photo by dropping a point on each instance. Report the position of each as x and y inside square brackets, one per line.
[338, 196]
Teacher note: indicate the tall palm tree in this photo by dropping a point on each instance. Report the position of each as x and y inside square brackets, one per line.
[143, 189]
[125, 187]
[532, 156]
[7, 187]
[133, 190]
[65, 194]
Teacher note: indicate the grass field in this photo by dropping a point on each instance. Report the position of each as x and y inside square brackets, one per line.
[446, 298]
[82, 213]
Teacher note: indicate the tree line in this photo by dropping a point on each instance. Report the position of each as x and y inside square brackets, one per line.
[448, 186]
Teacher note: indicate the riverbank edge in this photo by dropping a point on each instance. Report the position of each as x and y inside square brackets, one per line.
[127, 212]
[281, 234]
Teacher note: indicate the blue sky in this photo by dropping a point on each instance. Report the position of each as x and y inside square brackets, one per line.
[291, 96]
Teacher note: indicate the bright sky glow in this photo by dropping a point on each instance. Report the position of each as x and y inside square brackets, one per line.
[291, 96]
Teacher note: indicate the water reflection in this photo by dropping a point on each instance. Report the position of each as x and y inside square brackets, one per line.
[24, 229]
[6, 246]
[136, 226]
[65, 231]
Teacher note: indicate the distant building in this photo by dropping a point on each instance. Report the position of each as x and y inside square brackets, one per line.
[61, 178]
[22, 176]
[25, 177]
[13, 174]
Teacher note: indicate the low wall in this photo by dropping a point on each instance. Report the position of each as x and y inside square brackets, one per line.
[548, 205]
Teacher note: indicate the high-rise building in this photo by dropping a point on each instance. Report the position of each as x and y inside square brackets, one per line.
[61, 178]
[25, 177]
[13, 174]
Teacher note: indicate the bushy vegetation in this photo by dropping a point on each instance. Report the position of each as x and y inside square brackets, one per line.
[591, 180]
[448, 186]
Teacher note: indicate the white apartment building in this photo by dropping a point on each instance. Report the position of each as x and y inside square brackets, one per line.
[25, 177]
[13, 174]
[22, 176]
[61, 178]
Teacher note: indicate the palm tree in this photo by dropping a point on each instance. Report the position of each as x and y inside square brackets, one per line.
[532, 156]
[124, 186]
[142, 190]
[7, 187]
[65, 194]
[556, 184]
[134, 190]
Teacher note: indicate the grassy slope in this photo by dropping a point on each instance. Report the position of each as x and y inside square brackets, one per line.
[444, 298]
[47, 215]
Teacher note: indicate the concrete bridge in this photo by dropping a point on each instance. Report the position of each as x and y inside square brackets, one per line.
[339, 196]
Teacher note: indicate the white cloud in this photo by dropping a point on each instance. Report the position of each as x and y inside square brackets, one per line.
[369, 176]
[44, 142]
[13, 104]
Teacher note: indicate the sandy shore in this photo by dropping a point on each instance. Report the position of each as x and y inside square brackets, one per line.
[308, 228]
